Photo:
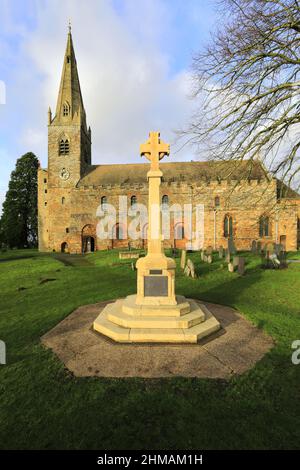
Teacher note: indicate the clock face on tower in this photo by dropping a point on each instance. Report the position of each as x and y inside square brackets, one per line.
[64, 174]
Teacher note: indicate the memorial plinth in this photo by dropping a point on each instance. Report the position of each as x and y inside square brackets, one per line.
[155, 313]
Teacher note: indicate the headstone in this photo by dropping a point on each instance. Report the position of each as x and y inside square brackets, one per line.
[192, 268]
[221, 252]
[209, 259]
[253, 247]
[183, 259]
[230, 267]
[258, 247]
[202, 253]
[189, 270]
[236, 261]
[274, 260]
[241, 266]
[231, 246]
[227, 255]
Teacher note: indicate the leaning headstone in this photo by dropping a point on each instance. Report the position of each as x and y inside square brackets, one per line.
[241, 266]
[274, 260]
[253, 247]
[189, 270]
[192, 268]
[221, 252]
[183, 259]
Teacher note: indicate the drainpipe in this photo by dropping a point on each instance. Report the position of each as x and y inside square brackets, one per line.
[276, 225]
[215, 229]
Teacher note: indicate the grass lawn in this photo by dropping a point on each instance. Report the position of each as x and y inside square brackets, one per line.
[43, 406]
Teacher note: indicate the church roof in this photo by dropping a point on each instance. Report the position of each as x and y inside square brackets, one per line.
[173, 172]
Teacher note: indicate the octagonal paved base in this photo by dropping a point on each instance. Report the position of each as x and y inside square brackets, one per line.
[233, 350]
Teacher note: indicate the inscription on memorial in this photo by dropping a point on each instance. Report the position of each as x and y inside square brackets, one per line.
[156, 286]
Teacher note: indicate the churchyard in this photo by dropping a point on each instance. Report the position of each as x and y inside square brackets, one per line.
[44, 405]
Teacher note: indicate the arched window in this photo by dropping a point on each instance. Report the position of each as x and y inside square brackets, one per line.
[64, 147]
[217, 201]
[179, 232]
[133, 201]
[66, 109]
[264, 226]
[165, 200]
[228, 226]
[103, 203]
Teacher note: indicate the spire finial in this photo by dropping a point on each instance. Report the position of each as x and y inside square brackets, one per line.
[70, 26]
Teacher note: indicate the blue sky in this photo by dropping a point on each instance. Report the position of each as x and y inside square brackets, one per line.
[134, 60]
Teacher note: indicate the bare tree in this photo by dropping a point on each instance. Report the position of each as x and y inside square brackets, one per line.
[248, 86]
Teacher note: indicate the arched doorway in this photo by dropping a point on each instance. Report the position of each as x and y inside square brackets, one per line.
[88, 237]
[64, 247]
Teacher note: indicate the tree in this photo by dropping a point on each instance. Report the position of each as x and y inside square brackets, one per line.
[248, 86]
[18, 224]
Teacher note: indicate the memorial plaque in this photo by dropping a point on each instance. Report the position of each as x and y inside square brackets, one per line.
[156, 286]
[155, 271]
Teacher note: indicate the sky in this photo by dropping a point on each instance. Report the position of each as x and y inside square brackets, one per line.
[134, 61]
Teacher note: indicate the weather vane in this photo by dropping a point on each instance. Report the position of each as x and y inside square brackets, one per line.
[70, 26]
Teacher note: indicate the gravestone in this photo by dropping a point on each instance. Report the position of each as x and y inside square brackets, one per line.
[183, 259]
[241, 266]
[230, 267]
[209, 250]
[258, 247]
[202, 253]
[227, 255]
[221, 252]
[231, 246]
[189, 270]
[209, 259]
[235, 261]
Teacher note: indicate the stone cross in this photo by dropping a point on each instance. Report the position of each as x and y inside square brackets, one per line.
[154, 150]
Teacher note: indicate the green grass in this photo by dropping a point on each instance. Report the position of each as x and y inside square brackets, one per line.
[43, 406]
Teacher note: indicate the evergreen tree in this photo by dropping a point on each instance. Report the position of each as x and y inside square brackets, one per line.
[18, 224]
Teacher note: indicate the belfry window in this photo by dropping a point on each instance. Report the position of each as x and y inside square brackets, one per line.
[217, 201]
[64, 147]
[66, 109]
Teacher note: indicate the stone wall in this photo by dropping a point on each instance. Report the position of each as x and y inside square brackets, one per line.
[244, 202]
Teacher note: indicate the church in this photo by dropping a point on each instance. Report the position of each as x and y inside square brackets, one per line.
[240, 200]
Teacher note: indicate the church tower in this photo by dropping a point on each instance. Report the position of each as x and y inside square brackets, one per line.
[69, 156]
[69, 140]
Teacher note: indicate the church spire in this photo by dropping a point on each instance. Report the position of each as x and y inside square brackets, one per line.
[69, 102]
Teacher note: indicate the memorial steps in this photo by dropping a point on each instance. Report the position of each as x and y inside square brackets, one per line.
[124, 321]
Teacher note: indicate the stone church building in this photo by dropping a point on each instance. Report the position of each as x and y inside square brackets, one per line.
[240, 200]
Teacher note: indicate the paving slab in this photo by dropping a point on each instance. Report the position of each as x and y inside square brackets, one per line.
[232, 350]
